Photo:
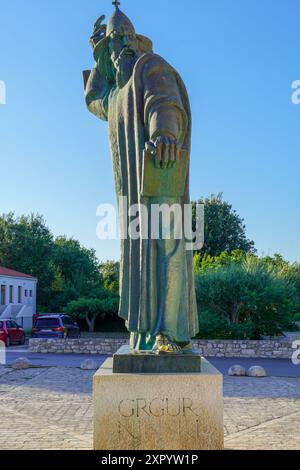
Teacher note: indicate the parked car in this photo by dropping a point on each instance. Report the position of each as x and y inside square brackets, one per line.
[55, 326]
[11, 333]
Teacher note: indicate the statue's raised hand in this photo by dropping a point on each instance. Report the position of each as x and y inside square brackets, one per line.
[99, 32]
[166, 151]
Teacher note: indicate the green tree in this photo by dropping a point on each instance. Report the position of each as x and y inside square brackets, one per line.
[110, 271]
[224, 229]
[89, 309]
[204, 261]
[247, 295]
[77, 272]
[26, 245]
[65, 269]
[288, 271]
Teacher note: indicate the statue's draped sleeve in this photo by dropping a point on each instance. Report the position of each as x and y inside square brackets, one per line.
[97, 91]
[164, 112]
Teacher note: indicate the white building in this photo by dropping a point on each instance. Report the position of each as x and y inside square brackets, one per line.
[17, 297]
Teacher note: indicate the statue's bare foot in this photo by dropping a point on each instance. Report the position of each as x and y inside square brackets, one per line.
[164, 345]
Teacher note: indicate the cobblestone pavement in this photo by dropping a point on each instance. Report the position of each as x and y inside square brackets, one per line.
[51, 408]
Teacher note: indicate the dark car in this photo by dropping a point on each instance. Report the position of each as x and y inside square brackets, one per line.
[11, 333]
[55, 326]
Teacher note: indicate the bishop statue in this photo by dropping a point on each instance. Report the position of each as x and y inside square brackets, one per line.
[147, 108]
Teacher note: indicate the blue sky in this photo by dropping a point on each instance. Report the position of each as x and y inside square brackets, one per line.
[238, 59]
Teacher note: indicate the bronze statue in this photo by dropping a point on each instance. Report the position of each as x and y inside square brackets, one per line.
[147, 108]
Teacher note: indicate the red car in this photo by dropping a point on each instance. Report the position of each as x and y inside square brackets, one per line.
[11, 333]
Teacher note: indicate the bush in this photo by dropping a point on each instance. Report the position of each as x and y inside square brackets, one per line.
[243, 298]
[297, 317]
[214, 326]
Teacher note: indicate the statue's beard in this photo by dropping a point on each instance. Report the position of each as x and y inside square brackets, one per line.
[124, 65]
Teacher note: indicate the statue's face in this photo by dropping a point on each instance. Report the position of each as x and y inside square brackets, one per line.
[123, 44]
[124, 52]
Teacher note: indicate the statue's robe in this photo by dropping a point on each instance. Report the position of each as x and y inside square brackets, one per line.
[156, 276]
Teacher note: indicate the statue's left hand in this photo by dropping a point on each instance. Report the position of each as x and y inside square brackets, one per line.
[166, 151]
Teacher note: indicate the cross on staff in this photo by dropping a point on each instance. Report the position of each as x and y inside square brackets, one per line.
[116, 4]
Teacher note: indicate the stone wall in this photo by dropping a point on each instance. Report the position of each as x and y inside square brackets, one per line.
[76, 346]
[209, 348]
[252, 349]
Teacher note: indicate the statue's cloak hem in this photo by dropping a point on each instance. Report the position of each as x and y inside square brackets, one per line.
[139, 281]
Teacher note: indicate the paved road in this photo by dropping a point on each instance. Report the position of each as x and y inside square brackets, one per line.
[274, 367]
[51, 360]
[51, 408]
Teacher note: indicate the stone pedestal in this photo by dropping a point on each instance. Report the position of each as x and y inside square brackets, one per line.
[126, 361]
[158, 411]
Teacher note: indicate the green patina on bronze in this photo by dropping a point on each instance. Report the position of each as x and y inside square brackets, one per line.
[147, 108]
